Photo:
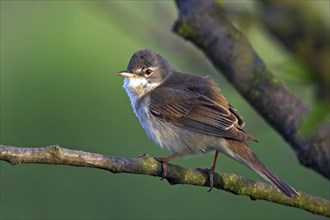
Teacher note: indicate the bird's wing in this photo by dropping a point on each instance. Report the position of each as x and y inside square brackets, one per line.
[197, 112]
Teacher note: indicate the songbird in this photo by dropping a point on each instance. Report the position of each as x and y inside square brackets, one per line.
[188, 115]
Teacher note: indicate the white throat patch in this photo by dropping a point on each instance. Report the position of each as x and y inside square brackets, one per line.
[138, 86]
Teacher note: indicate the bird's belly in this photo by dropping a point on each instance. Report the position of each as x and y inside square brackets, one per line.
[175, 139]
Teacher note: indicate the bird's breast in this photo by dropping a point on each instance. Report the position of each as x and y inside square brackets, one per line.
[169, 136]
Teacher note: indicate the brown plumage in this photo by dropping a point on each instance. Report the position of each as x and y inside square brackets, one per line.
[188, 115]
[197, 108]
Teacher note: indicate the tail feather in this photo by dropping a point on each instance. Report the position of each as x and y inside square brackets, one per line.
[241, 152]
[264, 172]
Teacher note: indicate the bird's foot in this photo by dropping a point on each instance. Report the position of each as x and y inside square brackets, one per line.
[164, 162]
[210, 172]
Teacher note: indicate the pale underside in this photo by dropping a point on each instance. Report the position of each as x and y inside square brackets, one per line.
[166, 135]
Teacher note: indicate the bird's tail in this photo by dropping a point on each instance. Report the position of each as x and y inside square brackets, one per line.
[241, 152]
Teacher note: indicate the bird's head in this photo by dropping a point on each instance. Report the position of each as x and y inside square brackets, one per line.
[145, 71]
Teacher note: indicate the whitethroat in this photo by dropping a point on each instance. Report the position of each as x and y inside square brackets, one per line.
[188, 115]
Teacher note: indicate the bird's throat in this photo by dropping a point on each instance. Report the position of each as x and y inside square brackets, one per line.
[138, 86]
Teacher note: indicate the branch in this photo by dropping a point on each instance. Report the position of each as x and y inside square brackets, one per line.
[206, 25]
[303, 32]
[147, 165]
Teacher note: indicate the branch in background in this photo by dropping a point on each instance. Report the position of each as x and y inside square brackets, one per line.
[303, 32]
[111, 10]
[147, 165]
[205, 24]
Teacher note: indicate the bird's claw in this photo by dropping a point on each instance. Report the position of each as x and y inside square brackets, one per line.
[164, 166]
[210, 172]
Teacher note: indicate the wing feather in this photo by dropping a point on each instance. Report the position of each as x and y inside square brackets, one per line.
[198, 113]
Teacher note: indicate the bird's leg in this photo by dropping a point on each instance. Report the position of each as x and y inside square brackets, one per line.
[165, 160]
[211, 170]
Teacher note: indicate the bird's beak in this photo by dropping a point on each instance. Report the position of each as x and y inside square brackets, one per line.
[125, 73]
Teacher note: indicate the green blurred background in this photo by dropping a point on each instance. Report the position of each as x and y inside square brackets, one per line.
[59, 61]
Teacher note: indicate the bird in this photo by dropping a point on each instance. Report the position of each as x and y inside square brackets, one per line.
[188, 115]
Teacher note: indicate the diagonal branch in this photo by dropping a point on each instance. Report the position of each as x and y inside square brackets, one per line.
[147, 165]
[205, 24]
[305, 34]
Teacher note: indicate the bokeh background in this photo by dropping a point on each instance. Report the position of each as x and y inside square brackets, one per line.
[59, 61]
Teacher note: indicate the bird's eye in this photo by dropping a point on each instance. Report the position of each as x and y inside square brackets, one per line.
[148, 72]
